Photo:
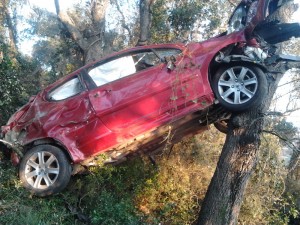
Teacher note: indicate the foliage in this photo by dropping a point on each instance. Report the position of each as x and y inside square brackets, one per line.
[112, 190]
[54, 48]
[175, 195]
[187, 20]
[283, 129]
[16, 207]
[286, 212]
[15, 88]
[264, 198]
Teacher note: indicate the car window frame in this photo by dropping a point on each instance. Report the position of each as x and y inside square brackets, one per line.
[151, 50]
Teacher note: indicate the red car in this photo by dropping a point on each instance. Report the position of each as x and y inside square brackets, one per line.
[136, 99]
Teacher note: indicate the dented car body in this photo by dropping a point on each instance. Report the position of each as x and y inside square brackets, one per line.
[139, 99]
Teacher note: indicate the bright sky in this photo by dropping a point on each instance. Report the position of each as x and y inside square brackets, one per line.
[281, 105]
[49, 4]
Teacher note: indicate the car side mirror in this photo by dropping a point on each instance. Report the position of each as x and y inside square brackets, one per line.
[170, 63]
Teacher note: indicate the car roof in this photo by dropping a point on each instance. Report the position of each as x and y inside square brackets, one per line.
[115, 54]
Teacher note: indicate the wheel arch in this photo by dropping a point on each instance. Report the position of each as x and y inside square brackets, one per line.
[49, 141]
[238, 60]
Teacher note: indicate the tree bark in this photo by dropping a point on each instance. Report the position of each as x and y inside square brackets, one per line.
[237, 161]
[145, 20]
[11, 26]
[91, 44]
[239, 156]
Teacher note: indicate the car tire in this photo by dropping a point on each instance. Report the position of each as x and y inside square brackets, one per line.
[239, 87]
[45, 170]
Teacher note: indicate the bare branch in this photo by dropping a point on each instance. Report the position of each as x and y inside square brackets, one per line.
[285, 140]
[124, 25]
[98, 14]
[288, 112]
[290, 82]
[232, 3]
[280, 96]
[70, 26]
[94, 42]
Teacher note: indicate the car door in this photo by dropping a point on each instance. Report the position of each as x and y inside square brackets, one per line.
[69, 118]
[133, 91]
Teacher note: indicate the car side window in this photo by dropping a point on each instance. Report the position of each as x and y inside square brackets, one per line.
[144, 60]
[66, 90]
[113, 70]
[127, 65]
[167, 52]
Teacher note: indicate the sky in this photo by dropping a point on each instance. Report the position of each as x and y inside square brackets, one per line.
[49, 4]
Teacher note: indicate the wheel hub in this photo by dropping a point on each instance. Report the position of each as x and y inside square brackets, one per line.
[42, 170]
[237, 85]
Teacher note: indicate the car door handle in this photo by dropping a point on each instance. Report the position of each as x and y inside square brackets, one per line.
[108, 91]
[96, 95]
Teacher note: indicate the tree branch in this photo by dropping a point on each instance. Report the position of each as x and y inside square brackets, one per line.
[292, 65]
[98, 11]
[70, 26]
[124, 25]
[285, 140]
[290, 82]
[232, 3]
[289, 92]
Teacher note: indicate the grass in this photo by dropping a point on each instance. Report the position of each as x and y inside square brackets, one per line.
[137, 192]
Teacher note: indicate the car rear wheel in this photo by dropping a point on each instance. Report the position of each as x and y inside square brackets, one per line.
[45, 170]
[240, 87]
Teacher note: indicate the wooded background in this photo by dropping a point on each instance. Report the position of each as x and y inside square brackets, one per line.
[138, 192]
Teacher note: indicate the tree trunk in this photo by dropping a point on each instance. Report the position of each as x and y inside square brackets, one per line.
[239, 156]
[237, 161]
[145, 19]
[7, 19]
[92, 42]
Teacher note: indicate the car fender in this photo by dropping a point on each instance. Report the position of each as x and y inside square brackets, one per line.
[239, 58]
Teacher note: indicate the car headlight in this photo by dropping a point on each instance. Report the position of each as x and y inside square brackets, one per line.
[237, 20]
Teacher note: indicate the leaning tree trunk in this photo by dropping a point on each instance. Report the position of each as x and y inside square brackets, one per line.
[223, 199]
[239, 156]
[145, 19]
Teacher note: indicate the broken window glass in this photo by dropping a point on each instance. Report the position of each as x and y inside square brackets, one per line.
[67, 90]
[113, 70]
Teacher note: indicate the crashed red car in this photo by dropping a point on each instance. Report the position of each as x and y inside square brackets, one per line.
[136, 99]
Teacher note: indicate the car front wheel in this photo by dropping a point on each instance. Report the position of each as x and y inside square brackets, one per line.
[239, 87]
[45, 170]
